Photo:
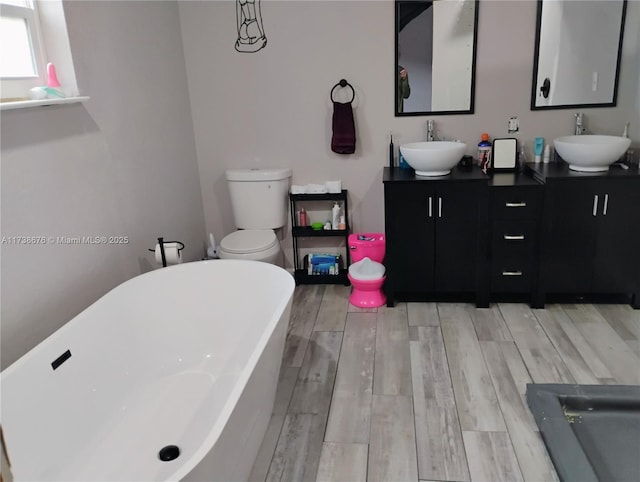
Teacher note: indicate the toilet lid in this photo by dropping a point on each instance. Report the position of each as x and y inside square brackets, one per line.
[365, 269]
[249, 241]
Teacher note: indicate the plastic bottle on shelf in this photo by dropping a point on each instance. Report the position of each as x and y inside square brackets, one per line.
[304, 220]
[335, 216]
[484, 153]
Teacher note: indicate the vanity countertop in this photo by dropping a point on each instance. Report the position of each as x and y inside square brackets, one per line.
[560, 170]
[457, 174]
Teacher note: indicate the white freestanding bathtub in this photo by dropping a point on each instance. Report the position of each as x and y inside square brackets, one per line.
[185, 356]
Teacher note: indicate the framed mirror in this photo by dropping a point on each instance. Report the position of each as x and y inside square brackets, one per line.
[435, 56]
[577, 53]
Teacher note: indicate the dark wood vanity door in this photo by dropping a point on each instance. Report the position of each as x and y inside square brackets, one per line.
[569, 236]
[617, 259]
[410, 236]
[457, 213]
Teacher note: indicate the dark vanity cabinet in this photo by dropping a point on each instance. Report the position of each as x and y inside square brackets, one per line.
[515, 204]
[591, 232]
[435, 234]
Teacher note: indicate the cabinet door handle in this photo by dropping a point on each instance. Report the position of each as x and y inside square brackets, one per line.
[606, 204]
[439, 207]
[512, 273]
[516, 205]
[430, 207]
[514, 237]
[595, 205]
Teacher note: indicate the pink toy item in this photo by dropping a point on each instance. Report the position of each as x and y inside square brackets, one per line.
[370, 245]
[367, 294]
[52, 78]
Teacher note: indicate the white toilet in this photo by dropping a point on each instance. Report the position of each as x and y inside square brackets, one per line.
[259, 199]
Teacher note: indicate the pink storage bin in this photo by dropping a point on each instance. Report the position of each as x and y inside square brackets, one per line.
[372, 246]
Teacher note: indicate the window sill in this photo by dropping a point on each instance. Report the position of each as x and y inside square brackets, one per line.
[26, 104]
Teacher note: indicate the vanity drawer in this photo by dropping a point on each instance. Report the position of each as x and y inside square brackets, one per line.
[513, 239]
[511, 276]
[515, 203]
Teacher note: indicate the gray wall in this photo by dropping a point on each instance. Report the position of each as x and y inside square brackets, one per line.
[272, 108]
[123, 163]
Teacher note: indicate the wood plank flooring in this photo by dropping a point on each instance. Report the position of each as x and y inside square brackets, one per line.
[430, 391]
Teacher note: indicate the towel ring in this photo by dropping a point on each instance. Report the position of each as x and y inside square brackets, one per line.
[343, 83]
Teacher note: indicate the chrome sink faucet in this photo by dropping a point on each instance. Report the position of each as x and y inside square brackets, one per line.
[579, 130]
[430, 130]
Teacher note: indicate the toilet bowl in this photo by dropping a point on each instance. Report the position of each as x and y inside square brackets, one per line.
[253, 244]
[367, 278]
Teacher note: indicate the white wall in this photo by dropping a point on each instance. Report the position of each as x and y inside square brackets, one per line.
[273, 108]
[123, 163]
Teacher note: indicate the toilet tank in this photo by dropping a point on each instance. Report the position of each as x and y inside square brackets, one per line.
[259, 197]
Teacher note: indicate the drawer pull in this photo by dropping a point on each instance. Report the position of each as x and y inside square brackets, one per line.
[514, 237]
[512, 273]
[516, 205]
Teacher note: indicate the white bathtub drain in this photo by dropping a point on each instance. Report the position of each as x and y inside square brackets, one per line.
[169, 453]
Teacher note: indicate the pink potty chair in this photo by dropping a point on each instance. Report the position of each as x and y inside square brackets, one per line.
[367, 273]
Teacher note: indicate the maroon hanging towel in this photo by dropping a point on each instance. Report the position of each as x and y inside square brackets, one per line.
[343, 140]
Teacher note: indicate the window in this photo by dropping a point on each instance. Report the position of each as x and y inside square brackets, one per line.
[21, 49]
[32, 33]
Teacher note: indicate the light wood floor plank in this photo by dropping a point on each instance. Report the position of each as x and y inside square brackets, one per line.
[527, 443]
[625, 321]
[350, 413]
[440, 449]
[297, 453]
[491, 457]
[490, 325]
[623, 364]
[304, 311]
[357, 309]
[392, 448]
[544, 363]
[314, 387]
[267, 448]
[476, 400]
[517, 368]
[286, 384]
[333, 308]
[553, 320]
[392, 367]
[423, 314]
[340, 462]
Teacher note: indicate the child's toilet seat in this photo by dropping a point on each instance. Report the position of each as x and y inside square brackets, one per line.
[367, 270]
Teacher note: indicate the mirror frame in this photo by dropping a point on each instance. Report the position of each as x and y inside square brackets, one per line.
[536, 55]
[473, 67]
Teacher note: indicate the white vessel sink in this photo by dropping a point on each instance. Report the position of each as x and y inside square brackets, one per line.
[433, 158]
[591, 153]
